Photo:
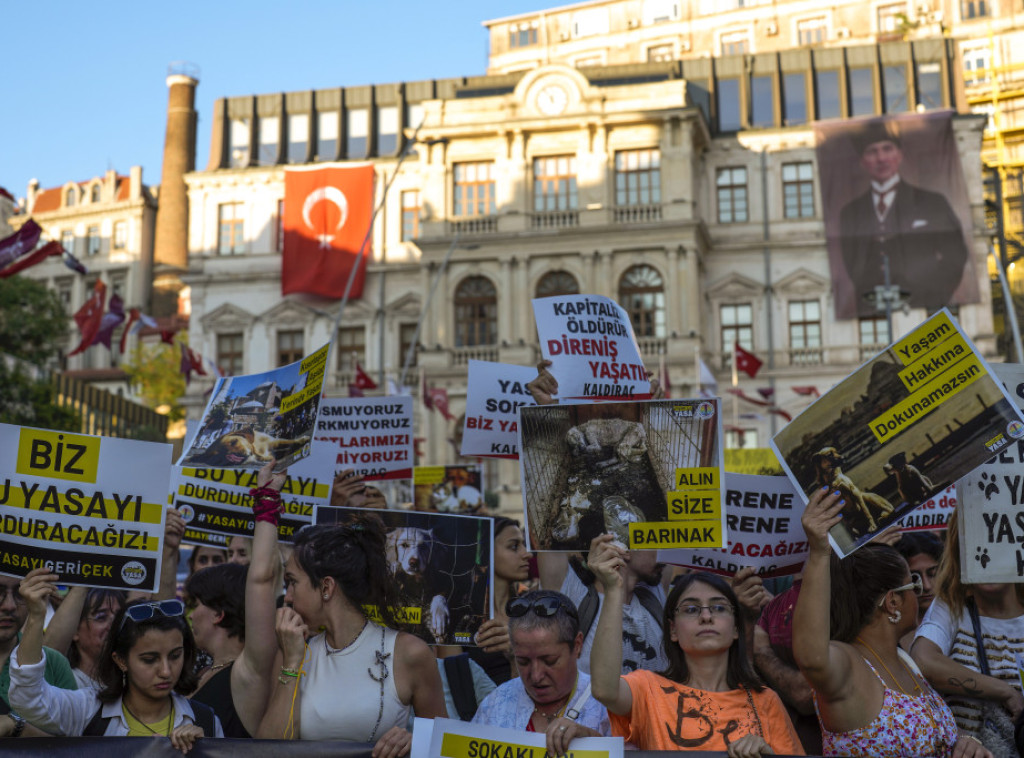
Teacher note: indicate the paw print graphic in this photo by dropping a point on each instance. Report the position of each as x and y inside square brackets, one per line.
[988, 485]
[982, 556]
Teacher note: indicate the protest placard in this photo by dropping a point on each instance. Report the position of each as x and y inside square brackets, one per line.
[441, 570]
[461, 739]
[648, 472]
[256, 418]
[760, 461]
[494, 394]
[991, 504]
[454, 488]
[933, 513]
[590, 342]
[91, 509]
[762, 515]
[216, 504]
[371, 436]
[902, 427]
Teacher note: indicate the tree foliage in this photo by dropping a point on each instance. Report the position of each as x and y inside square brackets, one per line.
[155, 370]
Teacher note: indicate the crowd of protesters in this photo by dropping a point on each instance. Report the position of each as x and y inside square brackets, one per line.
[884, 653]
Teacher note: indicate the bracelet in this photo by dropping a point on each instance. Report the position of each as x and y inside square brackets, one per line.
[972, 737]
[289, 672]
[267, 506]
[19, 724]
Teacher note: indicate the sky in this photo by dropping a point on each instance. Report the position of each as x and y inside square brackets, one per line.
[84, 86]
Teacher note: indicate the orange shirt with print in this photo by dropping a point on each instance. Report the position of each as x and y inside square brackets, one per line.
[671, 716]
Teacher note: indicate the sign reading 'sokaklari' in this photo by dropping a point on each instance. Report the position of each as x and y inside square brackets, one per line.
[91, 509]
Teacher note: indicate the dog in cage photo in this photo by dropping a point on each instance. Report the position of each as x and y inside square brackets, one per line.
[591, 468]
[441, 567]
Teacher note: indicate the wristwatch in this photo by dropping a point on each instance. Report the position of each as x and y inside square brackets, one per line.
[19, 724]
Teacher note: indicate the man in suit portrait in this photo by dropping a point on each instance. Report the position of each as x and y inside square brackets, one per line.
[914, 229]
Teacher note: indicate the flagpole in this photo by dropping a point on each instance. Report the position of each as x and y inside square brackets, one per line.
[735, 383]
[696, 369]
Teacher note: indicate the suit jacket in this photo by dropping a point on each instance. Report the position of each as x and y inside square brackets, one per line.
[920, 235]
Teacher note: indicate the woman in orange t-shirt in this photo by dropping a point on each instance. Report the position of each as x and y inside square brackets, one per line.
[709, 698]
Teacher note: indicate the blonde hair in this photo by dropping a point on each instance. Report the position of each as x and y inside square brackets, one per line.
[951, 591]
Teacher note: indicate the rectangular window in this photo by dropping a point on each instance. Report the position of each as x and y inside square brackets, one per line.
[798, 190]
[230, 229]
[973, 9]
[874, 333]
[270, 139]
[414, 115]
[659, 53]
[737, 327]
[522, 35]
[474, 189]
[794, 99]
[240, 140]
[735, 43]
[387, 130]
[357, 133]
[660, 11]
[65, 286]
[891, 18]
[741, 439]
[762, 101]
[729, 111]
[351, 347]
[811, 31]
[977, 61]
[826, 94]
[894, 81]
[410, 215]
[327, 135]
[279, 227]
[406, 332]
[731, 184]
[638, 177]
[929, 85]
[590, 22]
[298, 137]
[92, 240]
[120, 235]
[289, 346]
[805, 331]
[118, 284]
[67, 240]
[862, 92]
[230, 354]
[554, 183]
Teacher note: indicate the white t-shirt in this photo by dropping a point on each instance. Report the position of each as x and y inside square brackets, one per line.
[641, 632]
[1003, 639]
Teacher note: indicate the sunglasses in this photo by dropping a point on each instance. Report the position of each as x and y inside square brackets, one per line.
[146, 611]
[915, 584]
[544, 607]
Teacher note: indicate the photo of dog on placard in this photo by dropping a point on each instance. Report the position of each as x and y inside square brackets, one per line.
[441, 569]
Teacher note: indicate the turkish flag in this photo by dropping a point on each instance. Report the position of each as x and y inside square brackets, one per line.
[747, 362]
[89, 317]
[363, 380]
[327, 213]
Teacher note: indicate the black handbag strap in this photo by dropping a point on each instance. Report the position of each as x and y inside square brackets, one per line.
[979, 644]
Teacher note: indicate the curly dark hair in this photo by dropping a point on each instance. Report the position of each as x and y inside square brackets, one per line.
[123, 637]
[740, 671]
[351, 553]
[222, 588]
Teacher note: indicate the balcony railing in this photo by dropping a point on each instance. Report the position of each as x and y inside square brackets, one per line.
[840, 356]
[463, 355]
[470, 226]
[651, 347]
[555, 220]
[637, 214]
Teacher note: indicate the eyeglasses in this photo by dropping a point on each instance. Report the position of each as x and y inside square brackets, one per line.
[13, 594]
[544, 607]
[692, 611]
[146, 611]
[915, 584]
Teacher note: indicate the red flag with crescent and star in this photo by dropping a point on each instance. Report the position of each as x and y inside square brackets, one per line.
[327, 213]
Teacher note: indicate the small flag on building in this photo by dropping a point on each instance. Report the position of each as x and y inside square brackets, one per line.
[747, 362]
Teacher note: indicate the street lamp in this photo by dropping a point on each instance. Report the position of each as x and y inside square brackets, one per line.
[888, 296]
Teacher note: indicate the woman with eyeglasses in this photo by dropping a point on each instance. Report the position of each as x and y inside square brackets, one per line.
[80, 626]
[551, 695]
[709, 698]
[870, 698]
[145, 670]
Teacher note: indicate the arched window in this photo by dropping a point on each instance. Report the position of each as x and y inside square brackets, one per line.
[556, 283]
[642, 294]
[70, 197]
[94, 194]
[476, 312]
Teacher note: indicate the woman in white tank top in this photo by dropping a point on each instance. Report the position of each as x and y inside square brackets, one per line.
[356, 680]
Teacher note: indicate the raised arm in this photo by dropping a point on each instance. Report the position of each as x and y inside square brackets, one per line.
[291, 638]
[608, 562]
[174, 530]
[252, 676]
[64, 623]
[826, 667]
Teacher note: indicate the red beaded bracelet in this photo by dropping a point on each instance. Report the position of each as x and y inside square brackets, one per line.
[267, 506]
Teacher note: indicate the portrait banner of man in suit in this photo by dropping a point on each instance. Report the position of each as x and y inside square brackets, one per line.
[893, 193]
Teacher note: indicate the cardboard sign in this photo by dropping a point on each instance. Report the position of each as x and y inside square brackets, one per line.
[760, 461]
[91, 509]
[441, 570]
[453, 488]
[648, 472]
[253, 419]
[369, 435]
[494, 394]
[762, 514]
[461, 739]
[932, 514]
[216, 504]
[904, 426]
[590, 342]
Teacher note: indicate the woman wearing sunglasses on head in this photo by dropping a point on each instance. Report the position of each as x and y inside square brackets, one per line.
[551, 694]
[145, 671]
[709, 698]
[849, 618]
